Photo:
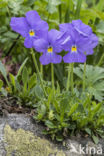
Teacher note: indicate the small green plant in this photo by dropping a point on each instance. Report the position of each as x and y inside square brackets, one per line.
[22, 86]
[66, 115]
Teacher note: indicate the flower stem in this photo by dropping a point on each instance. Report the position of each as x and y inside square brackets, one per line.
[41, 70]
[101, 60]
[68, 80]
[72, 84]
[84, 77]
[52, 75]
[37, 69]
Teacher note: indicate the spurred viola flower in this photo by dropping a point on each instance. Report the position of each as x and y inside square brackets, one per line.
[76, 46]
[86, 31]
[31, 27]
[50, 46]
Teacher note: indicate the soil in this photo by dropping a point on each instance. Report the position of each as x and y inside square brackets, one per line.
[9, 105]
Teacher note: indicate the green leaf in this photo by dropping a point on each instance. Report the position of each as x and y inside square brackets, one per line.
[88, 131]
[54, 2]
[10, 34]
[29, 2]
[59, 138]
[56, 105]
[73, 109]
[58, 88]
[51, 115]
[15, 6]
[1, 84]
[69, 8]
[25, 76]
[95, 139]
[78, 8]
[51, 7]
[100, 5]
[50, 124]
[41, 111]
[78, 72]
[18, 86]
[38, 92]
[100, 27]
[32, 81]
[3, 3]
[50, 98]
[3, 71]
[96, 108]
[94, 80]
[21, 68]
[59, 72]
[4, 92]
[12, 79]
[88, 14]
[64, 104]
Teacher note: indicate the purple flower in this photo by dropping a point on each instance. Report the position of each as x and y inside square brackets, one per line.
[93, 42]
[50, 46]
[86, 30]
[31, 27]
[77, 45]
[82, 28]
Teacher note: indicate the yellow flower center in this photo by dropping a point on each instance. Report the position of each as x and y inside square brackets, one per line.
[50, 50]
[74, 49]
[32, 33]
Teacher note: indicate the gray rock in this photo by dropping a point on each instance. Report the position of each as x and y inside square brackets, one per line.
[22, 136]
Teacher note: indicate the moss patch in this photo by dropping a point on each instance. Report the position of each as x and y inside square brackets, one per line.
[24, 143]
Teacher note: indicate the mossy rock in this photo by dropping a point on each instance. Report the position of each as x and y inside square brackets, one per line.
[25, 143]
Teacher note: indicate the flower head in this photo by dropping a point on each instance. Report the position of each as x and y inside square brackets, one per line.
[82, 28]
[86, 30]
[50, 46]
[31, 27]
[76, 46]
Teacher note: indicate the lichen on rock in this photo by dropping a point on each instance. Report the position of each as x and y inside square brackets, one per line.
[25, 143]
